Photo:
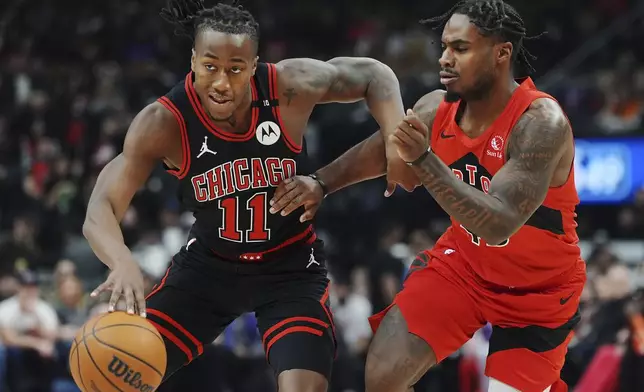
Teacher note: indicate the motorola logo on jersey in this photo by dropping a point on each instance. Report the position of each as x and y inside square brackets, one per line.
[469, 170]
[241, 175]
[268, 133]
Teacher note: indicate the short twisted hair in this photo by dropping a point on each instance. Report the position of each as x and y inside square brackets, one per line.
[191, 16]
[493, 18]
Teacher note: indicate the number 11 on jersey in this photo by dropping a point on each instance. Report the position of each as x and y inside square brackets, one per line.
[257, 232]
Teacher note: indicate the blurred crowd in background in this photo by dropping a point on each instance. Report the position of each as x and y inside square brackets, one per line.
[74, 73]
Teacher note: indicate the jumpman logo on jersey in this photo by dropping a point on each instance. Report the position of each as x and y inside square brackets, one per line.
[204, 148]
[312, 259]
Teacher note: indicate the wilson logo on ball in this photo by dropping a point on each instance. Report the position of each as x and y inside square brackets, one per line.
[133, 378]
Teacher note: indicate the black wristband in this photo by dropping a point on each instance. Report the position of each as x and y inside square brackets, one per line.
[420, 158]
[325, 190]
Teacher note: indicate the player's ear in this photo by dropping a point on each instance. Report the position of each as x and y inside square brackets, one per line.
[255, 64]
[504, 52]
[193, 60]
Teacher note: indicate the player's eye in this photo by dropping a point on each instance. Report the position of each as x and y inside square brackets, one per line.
[460, 50]
[235, 70]
[210, 67]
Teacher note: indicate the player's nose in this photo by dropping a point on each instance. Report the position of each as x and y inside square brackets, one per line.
[221, 85]
[446, 60]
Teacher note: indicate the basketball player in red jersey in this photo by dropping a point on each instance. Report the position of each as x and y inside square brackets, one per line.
[497, 156]
[231, 132]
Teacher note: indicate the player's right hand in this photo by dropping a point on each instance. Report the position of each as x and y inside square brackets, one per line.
[295, 192]
[125, 280]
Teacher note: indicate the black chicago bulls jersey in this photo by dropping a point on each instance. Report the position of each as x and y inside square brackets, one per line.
[227, 179]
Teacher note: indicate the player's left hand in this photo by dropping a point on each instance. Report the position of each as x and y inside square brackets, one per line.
[411, 138]
[295, 192]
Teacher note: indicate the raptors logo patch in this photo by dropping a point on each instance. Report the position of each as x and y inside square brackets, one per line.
[268, 133]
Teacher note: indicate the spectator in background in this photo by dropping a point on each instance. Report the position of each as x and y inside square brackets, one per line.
[20, 249]
[351, 310]
[608, 278]
[28, 329]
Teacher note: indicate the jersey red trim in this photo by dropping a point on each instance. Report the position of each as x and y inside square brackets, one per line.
[207, 121]
[185, 143]
[273, 91]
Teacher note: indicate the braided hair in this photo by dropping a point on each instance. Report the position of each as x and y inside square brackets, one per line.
[493, 18]
[191, 17]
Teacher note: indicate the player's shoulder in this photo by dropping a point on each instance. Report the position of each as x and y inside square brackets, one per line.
[427, 106]
[155, 127]
[543, 115]
[430, 101]
[543, 127]
[157, 117]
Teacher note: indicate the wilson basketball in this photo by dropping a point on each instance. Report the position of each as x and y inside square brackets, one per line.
[117, 352]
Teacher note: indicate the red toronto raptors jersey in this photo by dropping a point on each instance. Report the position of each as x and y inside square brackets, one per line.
[543, 250]
[227, 179]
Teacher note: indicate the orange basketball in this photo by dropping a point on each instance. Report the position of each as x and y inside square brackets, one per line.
[117, 352]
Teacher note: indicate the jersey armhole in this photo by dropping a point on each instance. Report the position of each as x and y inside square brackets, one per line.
[273, 89]
[185, 144]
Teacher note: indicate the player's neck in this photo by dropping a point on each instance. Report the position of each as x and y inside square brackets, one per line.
[489, 107]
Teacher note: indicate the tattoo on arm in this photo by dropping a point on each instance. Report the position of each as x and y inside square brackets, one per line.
[361, 78]
[535, 147]
[289, 94]
[341, 79]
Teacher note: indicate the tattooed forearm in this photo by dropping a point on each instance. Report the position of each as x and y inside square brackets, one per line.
[362, 162]
[480, 213]
[517, 190]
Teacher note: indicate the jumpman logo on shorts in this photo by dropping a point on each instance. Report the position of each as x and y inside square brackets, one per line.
[205, 149]
[312, 259]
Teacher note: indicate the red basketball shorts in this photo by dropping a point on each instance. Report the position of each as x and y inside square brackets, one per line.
[445, 303]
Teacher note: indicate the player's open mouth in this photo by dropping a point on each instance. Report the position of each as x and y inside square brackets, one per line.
[447, 78]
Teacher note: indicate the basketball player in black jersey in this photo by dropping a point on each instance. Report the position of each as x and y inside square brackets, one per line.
[231, 132]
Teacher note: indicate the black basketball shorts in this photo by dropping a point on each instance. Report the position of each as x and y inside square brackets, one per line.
[200, 296]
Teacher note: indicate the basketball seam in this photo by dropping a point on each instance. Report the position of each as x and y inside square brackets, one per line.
[78, 366]
[94, 362]
[80, 373]
[125, 352]
[130, 325]
[71, 352]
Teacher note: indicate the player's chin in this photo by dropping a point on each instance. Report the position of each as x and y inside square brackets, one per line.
[221, 111]
[452, 94]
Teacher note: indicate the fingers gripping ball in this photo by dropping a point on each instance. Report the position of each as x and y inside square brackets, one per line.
[117, 352]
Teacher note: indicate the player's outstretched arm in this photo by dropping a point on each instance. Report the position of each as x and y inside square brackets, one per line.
[356, 165]
[362, 162]
[536, 146]
[304, 83]
[150, 134]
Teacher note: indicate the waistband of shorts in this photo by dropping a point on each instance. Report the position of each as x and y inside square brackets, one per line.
[273, 259]
[560, 280]
[463, 268]
[307, 237]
